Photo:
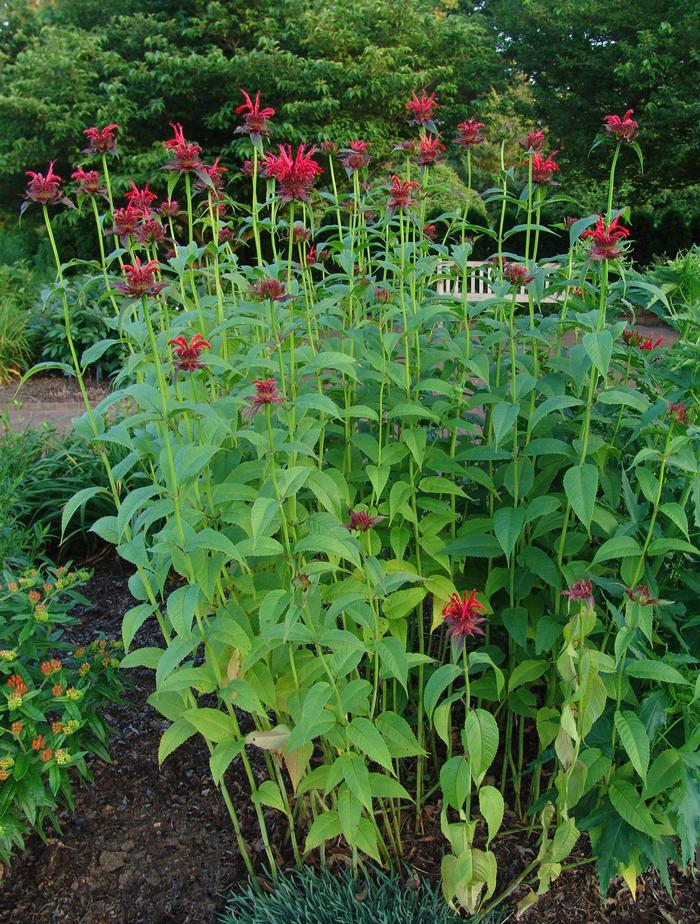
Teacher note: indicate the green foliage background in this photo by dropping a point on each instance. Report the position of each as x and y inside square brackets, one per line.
[344, 68]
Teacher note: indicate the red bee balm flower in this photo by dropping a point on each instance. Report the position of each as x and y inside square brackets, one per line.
[140, 198]
[462, 618]
[355, 156]
[270, 288]
[150, 231]
[429, 149]
[186, 153]
[421, 108]
[581, 590]
[543, 169]
[623, 128]
[169, 208]
[361, 521]
[469, 133]
[255, 119]
[101, 139]
[516, 274]
[641, 594]
[89, 183]
[400, 193]
[430, 231]
[650, 344]
[533, 141]
[126, 221]
[186, 355]
[606, 239]
[44, 190]
[215, 172]
[295, 175]
[140, 279]
[679, 413]
[265, 393]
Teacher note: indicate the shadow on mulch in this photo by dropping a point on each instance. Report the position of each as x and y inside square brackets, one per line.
[155, 846]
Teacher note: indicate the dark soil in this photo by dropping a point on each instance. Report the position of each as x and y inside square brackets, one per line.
[150, 845]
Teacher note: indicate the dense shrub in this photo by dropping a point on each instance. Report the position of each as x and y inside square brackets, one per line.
[438, 553]
[50, 701]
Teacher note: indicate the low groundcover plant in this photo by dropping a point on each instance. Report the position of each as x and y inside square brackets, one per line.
[431, 552]
[50, 701]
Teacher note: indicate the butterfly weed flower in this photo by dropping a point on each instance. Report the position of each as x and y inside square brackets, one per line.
[101, 140]
[186, 354]
[622, 128]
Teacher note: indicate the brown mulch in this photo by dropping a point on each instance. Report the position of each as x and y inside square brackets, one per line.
[150, 845]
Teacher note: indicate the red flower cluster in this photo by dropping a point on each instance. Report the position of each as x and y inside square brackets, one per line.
[429, 149]
[140, 199]
[126, 221]
[400, 193]
[17, 685]
[581, 590]
[169, 208]
[150, 231]
[88, 182]
[186, 154]
[422, 108]
[265, 393]
[533, 141]
[679, 413]
[543, 169]
[430, 231]
[186, 355]
[270, 288]
[516, 274]
[361, 521]
[463, 620]
[295, 175]
[140, 279]
[256, 118]
[624, 128]
[641, 594]
[469, 133]
[649, 344]
[606, 239]
[44, 189]
[355, 156]
[101, 140]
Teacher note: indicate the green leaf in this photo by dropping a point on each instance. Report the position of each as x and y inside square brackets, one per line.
[654, 670]
[599, 346]
[268, 793]
[503, 419]
[492, 807]
[617, 547]
[173, 736]
[324, 828]
[398, 735]
[624, 397]
[581, 486]
[481, 741]
[385, 787]
[78, 501]
[634, 739]
[508, 524]
[526, 672]
[366, 738]
[436, 484]
[438, 682]
[211, 723]
[329, 546]
[132, 621]
[392, 656]
[222, 755]
[402, 602]
[629, 805]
